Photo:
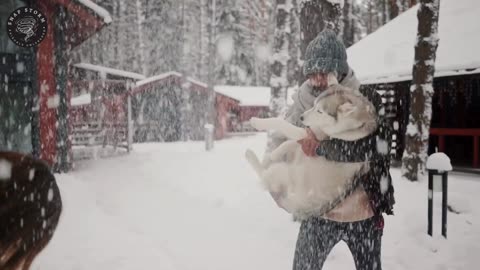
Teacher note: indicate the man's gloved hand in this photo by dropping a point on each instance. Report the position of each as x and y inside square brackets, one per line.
[309, 144]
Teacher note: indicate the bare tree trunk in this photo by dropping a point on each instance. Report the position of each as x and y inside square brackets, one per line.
[370, 17]
[384, 12]
[316, 15]
[200, 42]
[278, 68]
[348, 24]
[210, 113]
[183, 62]
[294, 63]
[140, 22]
[387, 10]
[394, 8]
[403, 5]
[421, 91]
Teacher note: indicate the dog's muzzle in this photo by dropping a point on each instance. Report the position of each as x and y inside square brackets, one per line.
[301, 118]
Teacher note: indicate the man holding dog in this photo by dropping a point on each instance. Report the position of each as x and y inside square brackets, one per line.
[357, 219]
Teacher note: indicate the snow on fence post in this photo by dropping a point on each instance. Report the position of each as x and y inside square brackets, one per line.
[438, 165]
[129, 124]
[209, 128]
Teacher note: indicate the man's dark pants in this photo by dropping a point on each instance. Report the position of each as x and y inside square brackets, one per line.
[318, 236]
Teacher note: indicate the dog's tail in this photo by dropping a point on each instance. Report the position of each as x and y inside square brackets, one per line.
[254, 162]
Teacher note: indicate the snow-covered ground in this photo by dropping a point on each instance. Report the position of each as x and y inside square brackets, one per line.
[175, 206]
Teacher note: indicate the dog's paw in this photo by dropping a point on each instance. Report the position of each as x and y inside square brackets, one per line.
[256, 123]
[267, 160]
[250, 155]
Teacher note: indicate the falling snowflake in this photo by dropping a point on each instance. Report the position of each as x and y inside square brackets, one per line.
[384, 184]
[5, 170]
[395, 125]
[381, 112]
[50, 194]
[263, 52]
[53, 101]
[31, 174]
[20, 67]
[382, 146]
[225, 47]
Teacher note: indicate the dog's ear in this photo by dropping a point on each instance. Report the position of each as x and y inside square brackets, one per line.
[347, 108]
[331, 79]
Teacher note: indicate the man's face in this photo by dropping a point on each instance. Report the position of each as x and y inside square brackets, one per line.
[319, 80]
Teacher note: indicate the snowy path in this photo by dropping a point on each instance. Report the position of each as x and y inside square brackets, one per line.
[174, 206]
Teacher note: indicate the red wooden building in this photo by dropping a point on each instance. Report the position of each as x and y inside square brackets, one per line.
[237, 104]
[384, 60]
[37, 110]
[99, 106]
[169, 107]
[228, 115]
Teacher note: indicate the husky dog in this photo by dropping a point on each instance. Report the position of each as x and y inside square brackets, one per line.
[310, 185]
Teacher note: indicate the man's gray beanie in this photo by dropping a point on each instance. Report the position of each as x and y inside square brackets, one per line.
[326, 53]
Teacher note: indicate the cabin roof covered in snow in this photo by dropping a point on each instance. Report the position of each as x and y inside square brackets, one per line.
[112, 71]
[247, 95]
[197, 82]
[103, 13]
[387, 55]
[165, 75]
[158, 77]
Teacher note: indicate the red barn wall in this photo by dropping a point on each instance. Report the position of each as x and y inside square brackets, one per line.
[223, 106]
[247, 112]
[46, 87]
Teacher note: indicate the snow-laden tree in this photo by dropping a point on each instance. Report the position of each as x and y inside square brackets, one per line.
[373, 14]
[353, 21]
[349, 21]
[163, 36]
[280, 57]
[141, 35]
[195, 39]
[421, 91]
[256, 23]
[117, 44]
[396, 7]
[156, 36]
[234, 65]
[241, 42]
[294, 63]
